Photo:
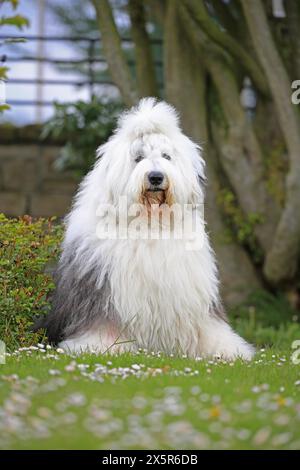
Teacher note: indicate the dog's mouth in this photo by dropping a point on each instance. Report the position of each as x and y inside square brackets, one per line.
[154, 196]
[157, 197]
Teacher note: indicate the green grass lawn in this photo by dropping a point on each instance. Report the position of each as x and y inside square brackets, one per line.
[53, 401]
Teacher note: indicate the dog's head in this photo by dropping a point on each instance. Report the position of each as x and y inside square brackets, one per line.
[150, 160]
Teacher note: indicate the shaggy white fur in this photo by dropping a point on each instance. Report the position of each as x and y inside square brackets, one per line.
[165, 297]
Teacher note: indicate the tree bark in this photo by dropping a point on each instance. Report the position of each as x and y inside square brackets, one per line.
[238, 146]
[241, 157]
[282, 259]
[185, 88]
[144, 63]
[227, 42]
[113, 52]
[157, 9]
[293, 18]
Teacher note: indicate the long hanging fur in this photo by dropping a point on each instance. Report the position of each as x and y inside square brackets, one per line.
[154, 294]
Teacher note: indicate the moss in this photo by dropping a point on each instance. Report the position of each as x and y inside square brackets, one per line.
[242, 225]
[276, 168]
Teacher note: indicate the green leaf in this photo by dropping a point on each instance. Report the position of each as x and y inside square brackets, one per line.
[13, 40]
[18, 20]
[3, 72]
[4, 107]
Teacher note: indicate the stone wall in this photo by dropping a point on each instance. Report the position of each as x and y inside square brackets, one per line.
[29, 184]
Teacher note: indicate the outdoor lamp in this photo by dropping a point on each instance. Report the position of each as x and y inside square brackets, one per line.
[248, 97]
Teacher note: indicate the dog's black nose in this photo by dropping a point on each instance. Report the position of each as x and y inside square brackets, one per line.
[155, 178]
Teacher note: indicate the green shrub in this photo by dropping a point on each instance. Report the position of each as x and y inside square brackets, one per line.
[26, 247]
[84, 126]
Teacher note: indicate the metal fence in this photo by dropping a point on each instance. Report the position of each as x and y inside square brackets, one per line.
[91, 59]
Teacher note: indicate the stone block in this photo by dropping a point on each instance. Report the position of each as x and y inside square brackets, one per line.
[12, 203]
[19, 174]
[61, 185]
[47, 205]
[49, 154]
[19, 151]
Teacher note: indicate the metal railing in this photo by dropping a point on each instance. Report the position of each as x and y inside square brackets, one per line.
[91, 59]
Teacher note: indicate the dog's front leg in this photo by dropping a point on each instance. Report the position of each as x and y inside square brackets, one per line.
[103, 339]
[217, 339]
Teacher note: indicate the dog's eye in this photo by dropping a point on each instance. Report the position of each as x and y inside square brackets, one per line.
[166, 156]
[139, 158]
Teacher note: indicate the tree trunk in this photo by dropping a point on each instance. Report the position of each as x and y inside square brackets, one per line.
[241, 157]
[114, 54]
[237, 144]
[282, 259]
[223, 39]
[144, 63]
[185, 88]
[293, 12]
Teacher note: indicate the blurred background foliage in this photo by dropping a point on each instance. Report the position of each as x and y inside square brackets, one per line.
[83, 125]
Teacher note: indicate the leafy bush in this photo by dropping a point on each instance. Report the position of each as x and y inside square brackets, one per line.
[26, 247]
[84, 126]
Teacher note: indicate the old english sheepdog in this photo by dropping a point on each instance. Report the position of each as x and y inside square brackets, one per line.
[120, 290]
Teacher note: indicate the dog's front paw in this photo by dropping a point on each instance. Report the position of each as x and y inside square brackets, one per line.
[242, 351]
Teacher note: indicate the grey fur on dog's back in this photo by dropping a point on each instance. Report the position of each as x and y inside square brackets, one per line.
[77, 303]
